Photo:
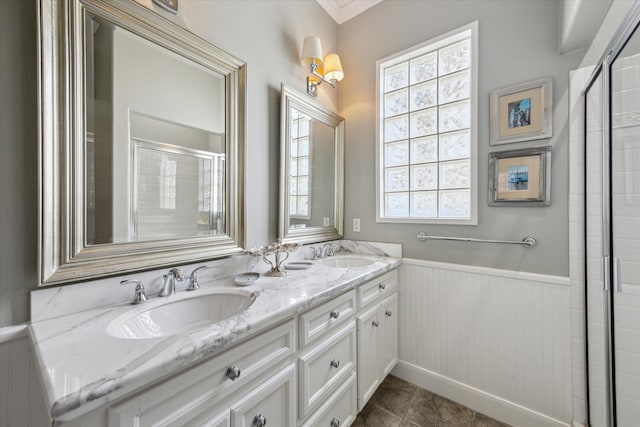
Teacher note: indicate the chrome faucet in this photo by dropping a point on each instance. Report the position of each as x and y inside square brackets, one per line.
[193, 279]
[328, 249]
[169, 285]
[139, 296]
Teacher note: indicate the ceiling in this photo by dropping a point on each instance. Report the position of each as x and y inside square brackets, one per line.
[343, 10]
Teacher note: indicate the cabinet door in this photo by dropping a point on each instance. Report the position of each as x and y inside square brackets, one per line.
[222, 420]
[368, 354]
[324, 367]
[271, 403]
[388, 334]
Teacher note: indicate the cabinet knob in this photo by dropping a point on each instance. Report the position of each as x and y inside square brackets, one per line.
[335, 363]
[233, 373]
[375, 323]
[334, 314]
[382, 286]
[334, 423]
[388, 313]
[259, 420]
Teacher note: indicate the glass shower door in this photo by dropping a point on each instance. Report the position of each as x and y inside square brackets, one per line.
[625, 229]
[597, 306]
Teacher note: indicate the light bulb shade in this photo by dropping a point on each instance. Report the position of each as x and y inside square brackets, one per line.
[312, 51]
[333, 68]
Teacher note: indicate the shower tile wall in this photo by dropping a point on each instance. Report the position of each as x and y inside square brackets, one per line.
[625, 121]
[169, 192]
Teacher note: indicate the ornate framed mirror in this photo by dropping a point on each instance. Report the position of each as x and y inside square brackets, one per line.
[142, 139]
[311, 170]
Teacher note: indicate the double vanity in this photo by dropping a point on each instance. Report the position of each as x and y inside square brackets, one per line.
[141, 172]
[308, 349]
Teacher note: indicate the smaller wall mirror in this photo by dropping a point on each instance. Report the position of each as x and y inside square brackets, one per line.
[311, 170]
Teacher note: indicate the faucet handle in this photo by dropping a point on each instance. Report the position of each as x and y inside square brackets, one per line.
[333, 248]
[139, 296]
[314, 253]
[178, 274]
[193, 279]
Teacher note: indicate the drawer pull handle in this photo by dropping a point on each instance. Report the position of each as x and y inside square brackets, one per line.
[335, 423]
[259, 420]
[334, 314]
[375, 323]
[382, 286]
[388, 313]
[233, 373]
[335, 363]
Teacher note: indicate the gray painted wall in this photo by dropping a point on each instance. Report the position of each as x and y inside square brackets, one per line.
[267, 35]
[18, 159]
[518, 42]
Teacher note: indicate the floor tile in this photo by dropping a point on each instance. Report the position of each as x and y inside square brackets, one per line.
[482, 420]
[376, 417]
[398, 403]
[406, 423]
[453, 412]
[422, 409]
[394, 395]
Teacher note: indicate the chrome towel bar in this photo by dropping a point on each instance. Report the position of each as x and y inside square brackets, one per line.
[528, 241]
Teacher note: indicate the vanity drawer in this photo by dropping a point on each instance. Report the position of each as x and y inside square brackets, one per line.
[341, 407]
[376, 289]
[326, 317]
[177, 400]
[324, 367]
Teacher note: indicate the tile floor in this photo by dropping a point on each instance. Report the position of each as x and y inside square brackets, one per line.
[398, 403]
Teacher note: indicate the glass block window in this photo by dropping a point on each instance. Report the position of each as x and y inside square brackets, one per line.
[299, 167]
[427, 132]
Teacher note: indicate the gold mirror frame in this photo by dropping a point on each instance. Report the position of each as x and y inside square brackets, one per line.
[63, 255]
[301, 102]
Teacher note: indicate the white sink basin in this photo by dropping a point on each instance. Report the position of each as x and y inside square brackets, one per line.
[181, 315]
[346, 262]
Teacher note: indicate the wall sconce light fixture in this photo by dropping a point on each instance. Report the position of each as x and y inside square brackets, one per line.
[328, 70]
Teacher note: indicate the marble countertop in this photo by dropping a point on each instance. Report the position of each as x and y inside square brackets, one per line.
[83, 367]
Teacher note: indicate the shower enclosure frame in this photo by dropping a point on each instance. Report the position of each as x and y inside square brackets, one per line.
[610, 265]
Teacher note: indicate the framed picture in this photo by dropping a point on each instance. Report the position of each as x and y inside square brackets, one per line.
[522, 112]
[520, 177]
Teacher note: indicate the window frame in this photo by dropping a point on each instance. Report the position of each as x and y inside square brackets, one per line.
[297, 138]
[469, 31]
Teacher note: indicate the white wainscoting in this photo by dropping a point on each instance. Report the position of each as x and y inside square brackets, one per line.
[21, 399]
[496, 341]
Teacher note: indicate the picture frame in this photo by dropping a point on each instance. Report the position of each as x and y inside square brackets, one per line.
[522, 112]
[520, 177]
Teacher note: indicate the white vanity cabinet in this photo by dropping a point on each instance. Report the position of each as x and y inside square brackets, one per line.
[327, 361]
[254, 378]
[377, 322]
[315, 369]
[272, 403]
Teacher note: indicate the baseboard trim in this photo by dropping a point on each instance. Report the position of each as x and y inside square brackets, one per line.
[478, 400]
[487, 271]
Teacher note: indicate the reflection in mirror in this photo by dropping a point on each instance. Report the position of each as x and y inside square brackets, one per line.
[311, 167]
[155, 140]
[311, 170]
[142, 150]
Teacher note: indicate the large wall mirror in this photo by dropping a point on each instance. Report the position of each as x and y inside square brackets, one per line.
[311, 170]
[142, 142]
